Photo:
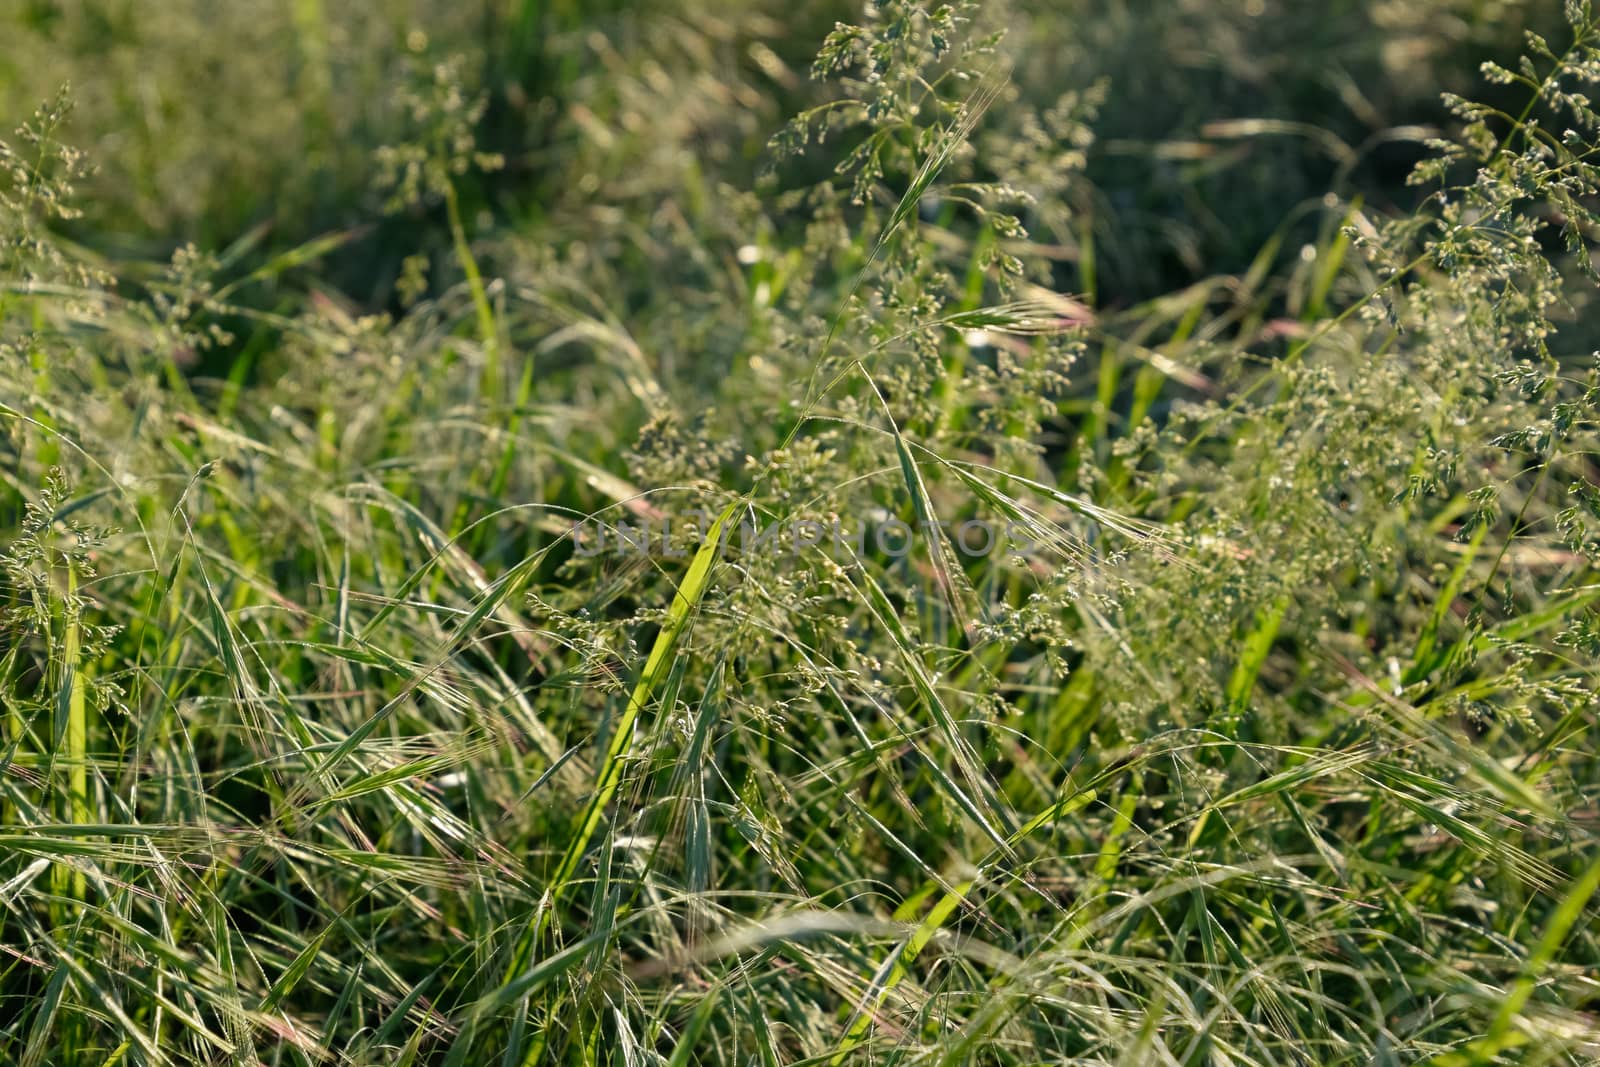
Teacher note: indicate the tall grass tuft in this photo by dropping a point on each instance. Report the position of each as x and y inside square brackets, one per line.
[799, 593]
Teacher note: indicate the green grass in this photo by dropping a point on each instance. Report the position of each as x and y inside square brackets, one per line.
[1268, 739]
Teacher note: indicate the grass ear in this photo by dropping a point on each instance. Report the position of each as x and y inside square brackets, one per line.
[477, 615]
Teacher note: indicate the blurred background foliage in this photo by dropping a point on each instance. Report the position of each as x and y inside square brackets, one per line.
[1220, 121]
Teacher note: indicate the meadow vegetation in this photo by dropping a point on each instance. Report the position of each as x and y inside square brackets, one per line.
[1266, 332]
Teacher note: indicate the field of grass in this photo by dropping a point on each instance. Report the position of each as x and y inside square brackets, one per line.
[1019, 533]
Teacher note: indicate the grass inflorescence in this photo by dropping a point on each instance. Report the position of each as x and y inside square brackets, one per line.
[1263, 734]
